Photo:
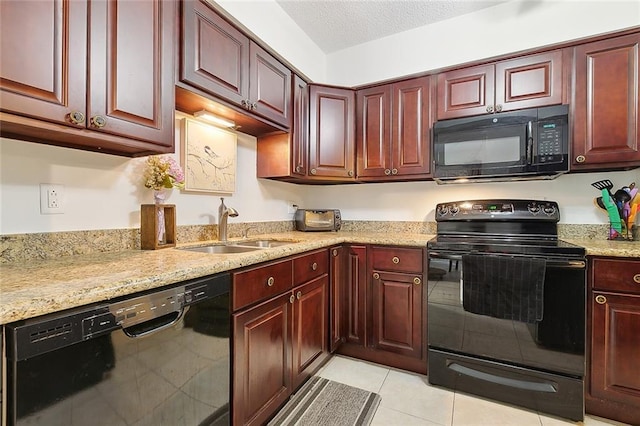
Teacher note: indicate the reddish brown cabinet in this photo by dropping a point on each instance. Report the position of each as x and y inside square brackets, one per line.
[331, 133]
[393, 130]
[606, 120]
[284, 156]
[221, 61]
[613, 380]
[89, 77]
[385, 306]
[281, 328]
[525, 82]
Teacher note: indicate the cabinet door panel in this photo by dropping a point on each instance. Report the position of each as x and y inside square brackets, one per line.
[332, 134]
[374, 131]
[262, 354]
[607, 102]
[55, 34]
[356, 293]
[270, 87]
[310, 325]
[467, 91]
[528, 82]
[132, 72]
[411, 127]
[615, 347]
[397, 313]
[215, 55]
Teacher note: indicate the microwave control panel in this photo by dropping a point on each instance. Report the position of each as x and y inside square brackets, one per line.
[550, 148]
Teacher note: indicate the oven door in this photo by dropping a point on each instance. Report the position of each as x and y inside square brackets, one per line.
[554, 344]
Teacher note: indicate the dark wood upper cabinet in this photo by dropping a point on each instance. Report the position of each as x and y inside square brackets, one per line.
[606, 108]
[284, 156]
[393, 130]
[93, 78]
[222, 62]
[332, 133]
[525, 82]
[613, 379]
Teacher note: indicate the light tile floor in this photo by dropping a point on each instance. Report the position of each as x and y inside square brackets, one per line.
[408, 399]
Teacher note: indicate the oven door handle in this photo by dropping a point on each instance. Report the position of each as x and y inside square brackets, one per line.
[554, 263]
[447, 256]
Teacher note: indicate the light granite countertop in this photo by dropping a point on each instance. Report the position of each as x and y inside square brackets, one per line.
[40, 287]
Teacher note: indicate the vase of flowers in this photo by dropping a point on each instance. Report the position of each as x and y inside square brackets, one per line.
[162, 173]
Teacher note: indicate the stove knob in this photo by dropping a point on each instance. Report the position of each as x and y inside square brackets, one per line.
[443, 210]
[454, 210]
[533, 208]
[549, 209]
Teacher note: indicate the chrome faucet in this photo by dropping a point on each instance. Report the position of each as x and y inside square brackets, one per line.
[223, 214]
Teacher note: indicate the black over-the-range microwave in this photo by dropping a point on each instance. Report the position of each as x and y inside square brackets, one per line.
[518, 145]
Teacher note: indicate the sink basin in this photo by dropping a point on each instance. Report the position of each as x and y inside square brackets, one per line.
[261, 243]
[221, 249]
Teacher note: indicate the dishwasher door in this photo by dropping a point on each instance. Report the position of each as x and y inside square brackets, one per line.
[92, 367]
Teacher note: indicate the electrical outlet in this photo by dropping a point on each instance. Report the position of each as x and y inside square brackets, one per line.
[51, 198]
[291, 207]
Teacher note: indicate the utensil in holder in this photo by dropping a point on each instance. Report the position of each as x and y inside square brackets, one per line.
[619, 231]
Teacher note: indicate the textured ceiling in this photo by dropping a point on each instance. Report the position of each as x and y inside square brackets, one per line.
[337, 24]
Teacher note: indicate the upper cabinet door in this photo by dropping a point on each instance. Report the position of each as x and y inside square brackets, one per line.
[467, 91]
[411, 127]
[270, 87]
[528, 82]
[215, 55]
[373, 133]
[43, 63]
[332, 133]
[607, 104]
[131, 91]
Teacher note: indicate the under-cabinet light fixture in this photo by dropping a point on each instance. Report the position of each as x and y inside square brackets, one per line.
[212, 118]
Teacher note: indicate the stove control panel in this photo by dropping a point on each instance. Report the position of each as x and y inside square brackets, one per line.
[547, 211]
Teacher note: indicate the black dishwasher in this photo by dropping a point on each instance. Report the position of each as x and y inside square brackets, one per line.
[160, 357]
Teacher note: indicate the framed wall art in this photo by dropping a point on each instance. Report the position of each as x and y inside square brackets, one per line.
[209, 158]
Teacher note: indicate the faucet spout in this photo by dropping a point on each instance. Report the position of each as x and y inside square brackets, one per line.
[223, 215]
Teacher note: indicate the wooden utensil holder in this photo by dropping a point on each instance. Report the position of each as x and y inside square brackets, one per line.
[149, 226]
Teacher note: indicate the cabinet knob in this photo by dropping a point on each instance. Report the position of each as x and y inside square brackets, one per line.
[394, 171]
[601, 300]
[498, 108]
[581, 159]
[292, 299]
[271, 281]
[298, 168]
[254, 106]
[298, 295]
[314, 266]
[489, 108]
[387, 172]
[334, 252]
[636, 278]
[98, 121]
[76, 117]
[417, 281]
[243, 103]
[395, 259]
[350, 173]
[376, 276]
[313, 171]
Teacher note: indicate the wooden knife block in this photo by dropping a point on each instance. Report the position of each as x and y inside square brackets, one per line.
[149, 226]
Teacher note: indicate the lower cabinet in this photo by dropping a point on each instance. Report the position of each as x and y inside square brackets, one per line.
[385, 306]
[613, 366]
[279, 343]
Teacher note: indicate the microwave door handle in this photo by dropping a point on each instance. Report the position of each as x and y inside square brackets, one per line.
[529, 143]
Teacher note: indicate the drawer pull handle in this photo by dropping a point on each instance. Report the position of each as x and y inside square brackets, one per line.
[292, 299]
[376, 276]
[395, 260]
[636, 278]
[314, 266]
[271, 281]
[298, 295]
[601, 300]
[334, 252]
[417, 281]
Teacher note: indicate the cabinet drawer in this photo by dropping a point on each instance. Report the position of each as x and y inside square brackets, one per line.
[398, 259]
[616, 275]
[260, 283]
[310, 266]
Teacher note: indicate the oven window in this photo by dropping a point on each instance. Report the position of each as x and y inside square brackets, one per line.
[482, 151]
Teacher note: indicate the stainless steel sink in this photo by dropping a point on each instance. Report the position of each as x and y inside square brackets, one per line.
[221, 249]
[262, 243]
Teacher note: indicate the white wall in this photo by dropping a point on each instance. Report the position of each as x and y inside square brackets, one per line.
[508, 27]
